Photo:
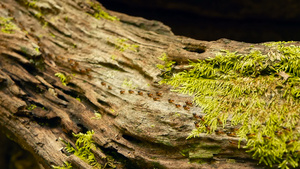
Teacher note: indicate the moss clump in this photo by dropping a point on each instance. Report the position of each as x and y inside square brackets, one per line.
[256, 93]
[204, 151]
[83, 146]
[166, 67]
[65, 166]
[83, 149]
[65, 79]
[6, 25]
[100, 13]
[122, 45]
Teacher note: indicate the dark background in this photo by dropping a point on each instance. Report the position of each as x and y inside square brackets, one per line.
[248, 21]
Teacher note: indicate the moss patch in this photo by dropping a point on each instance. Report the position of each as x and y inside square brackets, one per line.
[204, 151]
[256, 93]
[6, 25]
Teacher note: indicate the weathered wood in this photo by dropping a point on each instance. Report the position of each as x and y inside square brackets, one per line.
[61, 37]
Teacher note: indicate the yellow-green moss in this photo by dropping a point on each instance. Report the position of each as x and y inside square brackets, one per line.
[122, 45]
[66, 165]
[65, 79]
[257, 93]
[83, 146]
[6, 25]
[100, 13]
[204, 151]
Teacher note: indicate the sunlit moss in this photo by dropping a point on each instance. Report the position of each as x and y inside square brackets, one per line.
[122, 45]
[100, 13]
[65, 79]
[6, 25]
[256, 93]
[166, 67]
[66, 165]
[83, 146]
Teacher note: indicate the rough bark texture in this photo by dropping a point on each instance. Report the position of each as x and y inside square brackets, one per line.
[61, 36]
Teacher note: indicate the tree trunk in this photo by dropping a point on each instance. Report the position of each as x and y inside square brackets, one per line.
[99, 59]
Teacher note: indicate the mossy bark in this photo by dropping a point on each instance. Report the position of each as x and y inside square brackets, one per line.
[138, 131]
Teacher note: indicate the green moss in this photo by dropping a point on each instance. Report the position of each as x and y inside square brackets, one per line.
[100, 13]
[63, 78]
[83, 146]
[31, 107]
[98, 116]
[65, 166]
[6, 25]
[164, 140]
[31, 3]
[258, 93]
[122, 45]
[129, 84]
[166, 67]
[201, 151]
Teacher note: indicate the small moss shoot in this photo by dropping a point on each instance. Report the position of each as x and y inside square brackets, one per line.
[122, 45]
[166, 67]
[256, 93]
[31, 3]
[6, 25]
[83, 146]
[100, 13]
[98, 116]
[31, 107]
[66, 165]
[63, 78]
[129, 84]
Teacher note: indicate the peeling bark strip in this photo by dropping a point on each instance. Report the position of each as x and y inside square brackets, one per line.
[59, 65]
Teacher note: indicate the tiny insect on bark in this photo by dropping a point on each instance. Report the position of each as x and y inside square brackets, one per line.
[88, 70]
[207, 127]
[266, 137]
[219, 121]
[250, 135]
[278, 133]
[177, 105]
[196, 116]
[90, 76]
[83, 71]
[186, 107]
[103, 83]
[122, 91]
[170, 100]
[140, 93]
[156, 98]
[189, 103]
[130, 91]
[285, 128]
[235, 143]
[219, 132]
[73, 66]
[231, 134]
[202, 118]
[196, 124]
[158, 93]
[71, 61]
[290, 141]
[109, 87]
[149, 94]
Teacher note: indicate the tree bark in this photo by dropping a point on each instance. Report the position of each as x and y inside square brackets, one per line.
[53, 36]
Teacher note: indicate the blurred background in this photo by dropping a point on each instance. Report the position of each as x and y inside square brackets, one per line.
[249, 20]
